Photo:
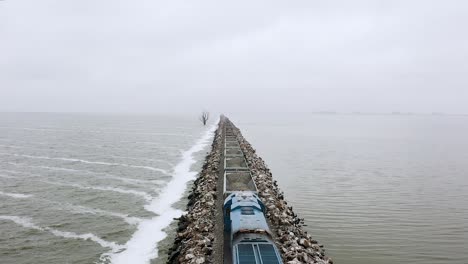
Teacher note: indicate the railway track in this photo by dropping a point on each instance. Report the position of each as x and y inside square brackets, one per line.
[247, 236]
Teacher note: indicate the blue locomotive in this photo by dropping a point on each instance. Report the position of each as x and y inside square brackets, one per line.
[250, 236]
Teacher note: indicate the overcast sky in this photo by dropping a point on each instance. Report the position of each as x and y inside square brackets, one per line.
[228, 56]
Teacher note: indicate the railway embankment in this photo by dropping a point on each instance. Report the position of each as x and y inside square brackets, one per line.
[200, 236]
[196, 229]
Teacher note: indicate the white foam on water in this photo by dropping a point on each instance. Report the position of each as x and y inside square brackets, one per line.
[90, 162]
[22, 174]
[75, 171]
[83, 209]
[58, 169]
[116, 164]
[104, 175]
[38, 129]
[16, 195]
[128, 180]
[125, 191]
[9, 171]
[89, 210]
[113, 131]
[144, 159]
[142, 247]
[114, 246]
[11, 163]
[6, 176]
[26, 222]
[11, 146]
[144, 195]
[30, 147]
[22, 221]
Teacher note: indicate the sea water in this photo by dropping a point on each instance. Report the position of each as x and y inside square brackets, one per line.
[86, 188]
[377, 189]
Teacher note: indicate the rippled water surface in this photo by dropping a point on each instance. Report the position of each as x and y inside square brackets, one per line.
[373, 189]
[92, 188]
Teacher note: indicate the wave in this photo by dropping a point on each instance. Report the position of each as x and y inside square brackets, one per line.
[94, 147]
[37, 129]
[124, 132]
[78, 208]
[115, 164]
[7, 176]
[16, 195]
[104, 175]
[145, 159]
[141, 247]
[9, 171]
[90, 162]
[144, 195]
[26, 222]
[20, 174]
[83, 209]
[94, 211]
[12, 146]
[56, 168]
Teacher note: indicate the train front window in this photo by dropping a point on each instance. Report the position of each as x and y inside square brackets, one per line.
[247, 211]
[246, 254]
[257, 253]
[268, 254]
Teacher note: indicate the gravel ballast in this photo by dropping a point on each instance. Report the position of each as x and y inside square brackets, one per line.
[199, 236]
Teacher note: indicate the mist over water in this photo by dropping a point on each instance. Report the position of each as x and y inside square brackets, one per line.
[79, 188]
[373, 189]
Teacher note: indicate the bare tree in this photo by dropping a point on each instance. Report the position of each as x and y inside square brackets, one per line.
[204, 117]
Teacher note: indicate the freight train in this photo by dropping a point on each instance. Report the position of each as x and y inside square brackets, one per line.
[245, 226]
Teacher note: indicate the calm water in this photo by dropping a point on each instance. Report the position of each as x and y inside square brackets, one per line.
[93, 188]
[373, 189]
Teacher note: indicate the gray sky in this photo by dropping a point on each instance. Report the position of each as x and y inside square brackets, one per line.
[228, 56]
